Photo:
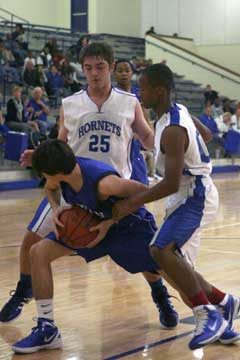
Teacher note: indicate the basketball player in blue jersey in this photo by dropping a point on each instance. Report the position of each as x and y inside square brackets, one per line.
[97, 122]
[95, 186]
[192, 201]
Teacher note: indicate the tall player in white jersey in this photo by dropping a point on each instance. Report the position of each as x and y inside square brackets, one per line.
[192, 201]
[97, 122]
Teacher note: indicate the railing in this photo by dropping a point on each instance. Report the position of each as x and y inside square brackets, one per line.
[205, 67]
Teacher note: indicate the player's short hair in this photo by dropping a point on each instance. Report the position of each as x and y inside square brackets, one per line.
[160, 75]
[97, 49]
[122, 61]
[53, 157]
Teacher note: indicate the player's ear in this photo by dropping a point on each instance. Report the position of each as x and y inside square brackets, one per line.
[112, 66]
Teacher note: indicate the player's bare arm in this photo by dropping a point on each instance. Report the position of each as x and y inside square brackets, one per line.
[53, 192]
[174, 143]
[204, 131]
[142, 129]
[62, 133]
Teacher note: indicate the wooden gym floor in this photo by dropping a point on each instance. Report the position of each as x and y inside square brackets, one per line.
[105, 313]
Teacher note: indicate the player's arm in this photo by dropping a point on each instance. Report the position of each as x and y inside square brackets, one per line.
[204, 131]
[62, 133]
[53, 192]
[113, 185]
[142, 128]
[174, 143]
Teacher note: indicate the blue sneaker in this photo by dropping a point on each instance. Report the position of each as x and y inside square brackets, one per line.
[229, 308]
[210, 325]
[13, 308]
[168, 316]
[229, 336]
[44, 336]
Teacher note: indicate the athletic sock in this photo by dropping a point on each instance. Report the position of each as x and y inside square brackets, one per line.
[199, 299]
[45, 309]
[25, 280]
[216, 296]
[156, 284]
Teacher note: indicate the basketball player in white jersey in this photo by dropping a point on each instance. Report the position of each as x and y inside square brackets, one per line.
[97, 122]
[192, 201]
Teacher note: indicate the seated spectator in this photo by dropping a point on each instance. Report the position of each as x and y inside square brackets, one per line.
[236, 120]
[210, 95]
[227, 106]
[150, 31]
[71, 83]
[224, 123]
[217, 109]
[3, 127]
[29, 58]
[51, 44]
[7, 63]
[216, 146]
[15, 117]
[45, 58]
[40, 111]
[55, 84]
[82, 43]
[30, 75]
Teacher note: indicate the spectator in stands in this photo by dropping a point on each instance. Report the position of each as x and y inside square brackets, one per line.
[55, 84]
[71, 83]
[227, 106]
[217, 142]
[40, 111]
[217, 109]
[54, 131]
[210, 95]
[224, 123]
[30, 75]
[150, 31]
[45, 58]
[51, 44]
[15, 117]
[3, 127]
[7, 63]
[81, 44]
[235, 120]
[29, 57]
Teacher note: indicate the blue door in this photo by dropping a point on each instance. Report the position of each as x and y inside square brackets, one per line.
[79, 15]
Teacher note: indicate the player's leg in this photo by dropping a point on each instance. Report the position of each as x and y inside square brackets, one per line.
[39, 227]
[45, 335]
[168, 316]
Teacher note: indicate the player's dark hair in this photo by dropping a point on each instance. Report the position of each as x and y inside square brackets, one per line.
[53, 157]
[122, 61]
[99, 50]
[159, 75]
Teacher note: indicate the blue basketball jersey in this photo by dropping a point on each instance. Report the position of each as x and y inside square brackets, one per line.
[92, 172]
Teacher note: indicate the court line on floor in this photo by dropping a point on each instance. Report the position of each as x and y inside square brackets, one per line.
[148, 346]
[220, 251]
[221, 226]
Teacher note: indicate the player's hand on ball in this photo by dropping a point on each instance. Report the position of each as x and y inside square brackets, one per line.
[55, 218]
[102, 229]
[26, 158]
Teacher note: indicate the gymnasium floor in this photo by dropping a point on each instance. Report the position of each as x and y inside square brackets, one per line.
[105, 313]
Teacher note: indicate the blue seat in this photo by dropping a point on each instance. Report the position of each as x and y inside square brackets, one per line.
[16, 144]
[232, 142]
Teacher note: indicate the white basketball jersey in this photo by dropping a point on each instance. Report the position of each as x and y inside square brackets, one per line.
[196, 158]
[103, 134]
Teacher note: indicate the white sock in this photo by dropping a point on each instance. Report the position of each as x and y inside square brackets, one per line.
[45, 308]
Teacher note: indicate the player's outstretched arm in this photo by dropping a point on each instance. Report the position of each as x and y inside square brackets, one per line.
[62, 133]
[143, 129]
[174, 143]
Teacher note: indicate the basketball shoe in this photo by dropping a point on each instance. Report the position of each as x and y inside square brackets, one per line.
[168, 316]
[13, 308]
[44, 336]
[210, 325]
[229, 308]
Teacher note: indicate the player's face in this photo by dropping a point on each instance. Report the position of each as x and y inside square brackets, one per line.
[148, 93]
[123, 73]
[97, 71]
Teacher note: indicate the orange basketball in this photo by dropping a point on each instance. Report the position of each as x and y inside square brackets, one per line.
[77, 222]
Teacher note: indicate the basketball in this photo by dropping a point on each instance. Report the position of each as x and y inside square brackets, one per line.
[77, 222]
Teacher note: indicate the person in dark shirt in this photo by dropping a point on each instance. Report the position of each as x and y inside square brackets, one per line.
[210, 95]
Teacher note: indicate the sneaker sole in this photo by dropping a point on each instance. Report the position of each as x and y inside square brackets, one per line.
[53, 346]
[12, 320]
[230, 341]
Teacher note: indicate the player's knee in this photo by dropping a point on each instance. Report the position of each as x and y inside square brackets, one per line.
[29, 240]
[37, 254]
